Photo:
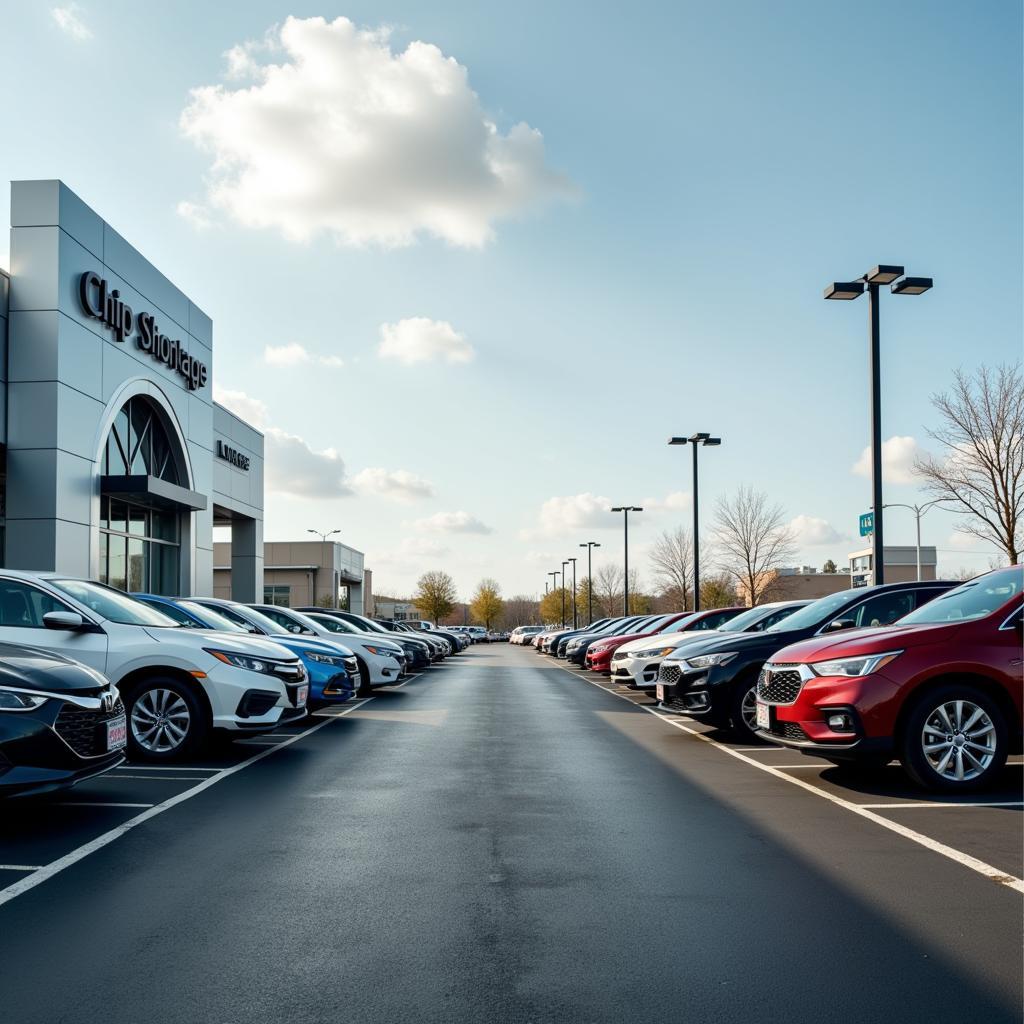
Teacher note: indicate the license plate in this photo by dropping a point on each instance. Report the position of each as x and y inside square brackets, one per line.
[764, 720]
[660, 691]
[117, 733]
[301, 696]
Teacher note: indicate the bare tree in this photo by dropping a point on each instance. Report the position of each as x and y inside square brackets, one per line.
[980, 472]
[608, 590]
[753, 540]
[672, 566]
[521, 610]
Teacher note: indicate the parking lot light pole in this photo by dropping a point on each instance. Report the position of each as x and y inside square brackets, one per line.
[625, 510]
[323, 535]
[919, 511]
[575, 622]
[564, 564]
[590, 545]
[707, 441]
[846, 291]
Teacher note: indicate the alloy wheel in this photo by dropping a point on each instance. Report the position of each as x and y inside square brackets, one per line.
[160, 721]
[959, 740]
[748, 709]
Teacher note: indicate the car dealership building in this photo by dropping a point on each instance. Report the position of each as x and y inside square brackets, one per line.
[116, 462]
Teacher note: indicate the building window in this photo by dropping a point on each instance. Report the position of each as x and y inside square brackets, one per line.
[139, 548]
[278, 594]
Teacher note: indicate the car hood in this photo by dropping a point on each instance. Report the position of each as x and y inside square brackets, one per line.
[235, 643]
[30, 669]
[624, 639]
[853, 643]
[656, 641]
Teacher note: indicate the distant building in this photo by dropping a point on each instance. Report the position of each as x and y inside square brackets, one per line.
[900, 565]
[400, 611]
[302, 572]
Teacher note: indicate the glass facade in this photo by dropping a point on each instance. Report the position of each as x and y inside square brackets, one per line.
[279, 595]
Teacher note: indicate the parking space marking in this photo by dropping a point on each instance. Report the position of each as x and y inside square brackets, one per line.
[160, 768]
[964, 859]
[148, 778]
[19, 867]
[95, 803]
[47, 871]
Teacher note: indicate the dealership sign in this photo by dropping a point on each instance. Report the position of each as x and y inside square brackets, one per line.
[232, 455]
[867, 524]
[107, 306]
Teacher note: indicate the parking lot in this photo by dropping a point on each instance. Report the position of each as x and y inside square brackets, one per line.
[504, 839]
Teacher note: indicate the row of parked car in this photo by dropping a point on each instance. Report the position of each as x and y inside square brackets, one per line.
[927, 672]
[89, 673]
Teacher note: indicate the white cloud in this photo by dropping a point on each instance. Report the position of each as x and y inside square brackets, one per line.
[676, 501]
[294, 354]
[399, 484]
[566, 514]
[420, 340]
[68, 19]
[293, 467]
[810, 531]
[335, 132]
[196, 214]
[451, 522]
[898, 454]
[252, 410]
[410, 550]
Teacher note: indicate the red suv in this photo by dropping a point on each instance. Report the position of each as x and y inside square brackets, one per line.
[940, 689]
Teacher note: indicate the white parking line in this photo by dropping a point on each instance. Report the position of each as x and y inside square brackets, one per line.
[161, 768]
[149, 778]
[19, 867]
[94, 803]
[47, 871]
[964, 859]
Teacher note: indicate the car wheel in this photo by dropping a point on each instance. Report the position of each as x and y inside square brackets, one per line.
[167, 720]
[954, 739]
[744, 711]
[365, 689]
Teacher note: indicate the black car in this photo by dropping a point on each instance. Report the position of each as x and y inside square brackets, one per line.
[60, 722]
[716, 681]
[424, 650]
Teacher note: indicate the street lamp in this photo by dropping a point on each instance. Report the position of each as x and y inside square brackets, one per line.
[574, 619]
[625, 510]
[564, 564]
[707, 441]
[847, 290]
[590, 545]
[554, 578]
[919, 511]
[323, 535]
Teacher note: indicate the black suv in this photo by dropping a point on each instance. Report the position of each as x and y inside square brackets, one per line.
[716, 681]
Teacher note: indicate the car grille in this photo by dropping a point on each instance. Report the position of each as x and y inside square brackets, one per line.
[82, 730]
[779, 685]
[290, 671]
[789, 731]
[669, 674]
[676, 704]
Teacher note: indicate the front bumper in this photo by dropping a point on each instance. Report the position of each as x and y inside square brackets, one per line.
[696, 695]
[599, 662]
[636, 673]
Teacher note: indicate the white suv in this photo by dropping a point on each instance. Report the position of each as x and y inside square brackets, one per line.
[177, 684]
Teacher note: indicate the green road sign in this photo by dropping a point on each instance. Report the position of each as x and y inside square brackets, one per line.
[867, 524]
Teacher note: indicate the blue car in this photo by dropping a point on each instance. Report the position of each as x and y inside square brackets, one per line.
[333, 669]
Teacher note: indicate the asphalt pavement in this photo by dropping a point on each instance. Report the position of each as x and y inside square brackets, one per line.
[500, 840]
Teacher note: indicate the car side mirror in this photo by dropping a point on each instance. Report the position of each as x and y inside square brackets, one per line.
[837, 624]
[64, 620]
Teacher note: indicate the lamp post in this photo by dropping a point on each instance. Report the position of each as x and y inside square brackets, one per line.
[564, 564]
[590, 545]
[554, 578]
[919, 511]
[625, 510]
[847, 290]
[707, 441]
[575, 623]
[323, 535]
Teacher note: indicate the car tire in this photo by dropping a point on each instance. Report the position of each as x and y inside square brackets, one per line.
[744, 707]
[167, 720]
[365, 689]
[944, 734]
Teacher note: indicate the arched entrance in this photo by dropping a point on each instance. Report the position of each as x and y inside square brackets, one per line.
[144, 501]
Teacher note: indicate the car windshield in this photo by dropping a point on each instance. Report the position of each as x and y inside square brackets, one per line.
[813, 613]
[212, 619]
[257, 619]
[746, 619]
[333, 624]
[113, 604]
[972, 600]
[676, 626]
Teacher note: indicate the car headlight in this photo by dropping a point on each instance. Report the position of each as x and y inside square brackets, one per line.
[861, 666]
[382, 652]
[708, 660]
[242, 661]
[658, 652]
[324, 659]
[12, 700]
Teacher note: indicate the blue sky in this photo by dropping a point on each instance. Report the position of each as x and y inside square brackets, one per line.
[706, 170]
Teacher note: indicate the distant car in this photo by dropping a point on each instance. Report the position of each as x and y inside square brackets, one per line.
[940, 688]
[715, 681]
[417, 653]
[60, 722]
[523, 635]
